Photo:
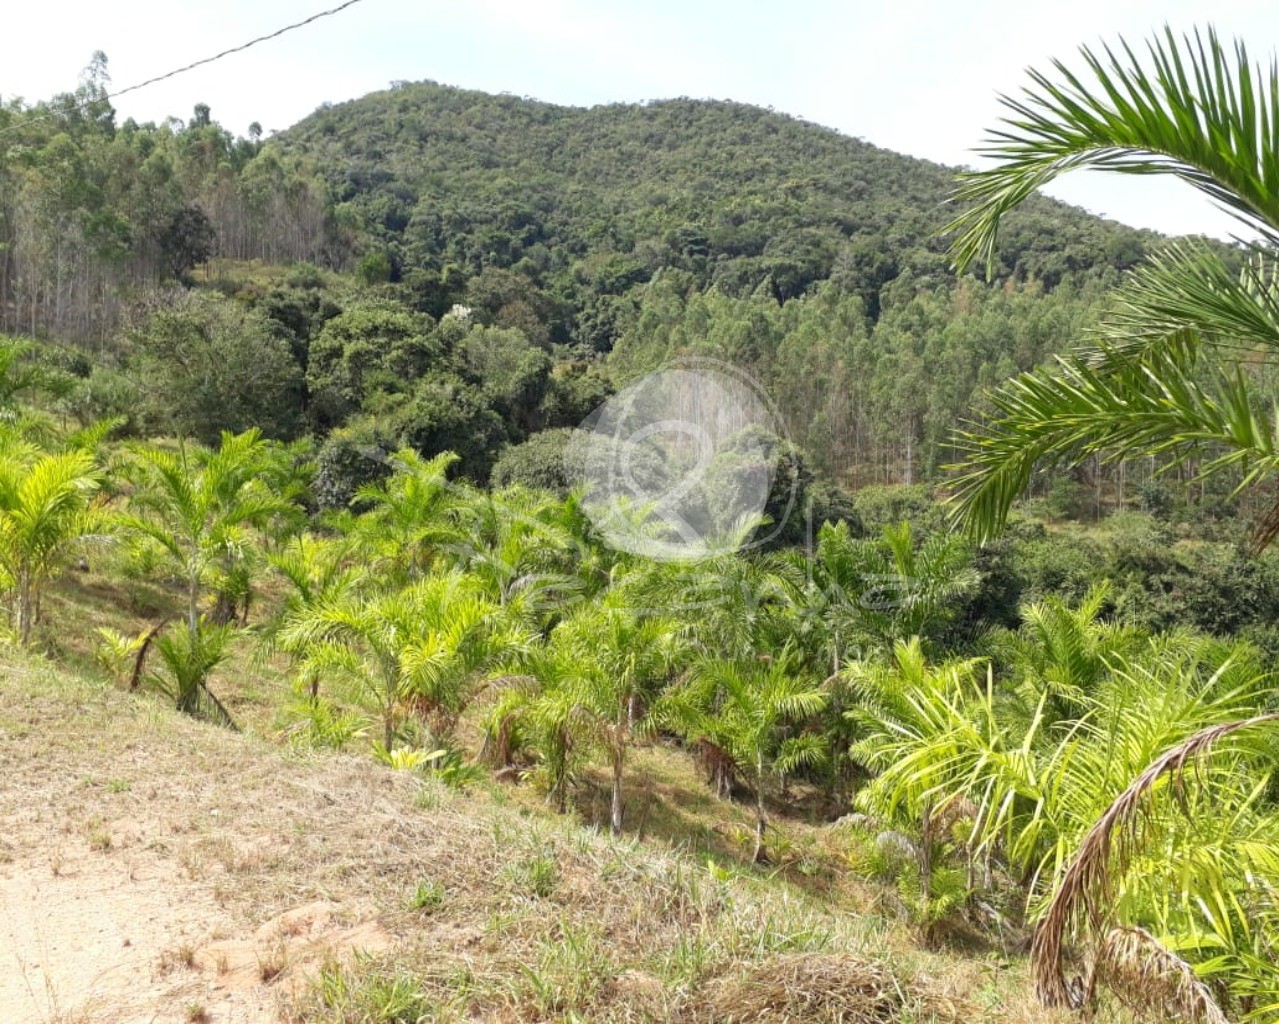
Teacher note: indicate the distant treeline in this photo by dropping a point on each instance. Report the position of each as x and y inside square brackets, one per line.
[95, 214]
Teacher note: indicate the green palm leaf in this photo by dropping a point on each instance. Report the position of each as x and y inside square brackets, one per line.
[1196, 111]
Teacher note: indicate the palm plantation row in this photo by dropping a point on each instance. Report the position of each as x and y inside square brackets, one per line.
[432, 604]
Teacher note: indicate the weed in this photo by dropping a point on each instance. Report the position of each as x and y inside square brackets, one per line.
[428, 896]
[272, 963]
[182, 956]
[538, 875]
[569, 972]
[322, 724]
[369, 994]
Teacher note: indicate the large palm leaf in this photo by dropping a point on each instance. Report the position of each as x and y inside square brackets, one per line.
[1203, 113]
[1197, 111]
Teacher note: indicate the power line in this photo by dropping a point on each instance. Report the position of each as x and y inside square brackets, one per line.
[194, 64]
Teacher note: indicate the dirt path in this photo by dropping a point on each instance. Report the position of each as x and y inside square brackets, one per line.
[155, 870]
[108, 938]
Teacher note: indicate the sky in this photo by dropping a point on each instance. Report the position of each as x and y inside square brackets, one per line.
[917, 77]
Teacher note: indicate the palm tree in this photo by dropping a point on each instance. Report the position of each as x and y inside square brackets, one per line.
[425, 643]
[414, 516]
[989, 768]
[740, 707]
[537, 707]
[318, 570]
[868, 594]
[1165, 377]
[1066, 651]
[21, 377]
[621, 657]
[48, 502]
[518, 543]
[1227, 874]
[196, 509]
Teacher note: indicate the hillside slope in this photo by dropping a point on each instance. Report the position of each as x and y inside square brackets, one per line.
[597, 199]
[153, 868]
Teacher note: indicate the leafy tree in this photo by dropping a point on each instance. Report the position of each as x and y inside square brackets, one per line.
[511, 373]
[188, 240]
[375, 268]
[351, 457]
[373, 346]
[205, 366]
[537, 463]
[446, 414]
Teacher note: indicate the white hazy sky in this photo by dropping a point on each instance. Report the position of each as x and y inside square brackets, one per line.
[915, 76]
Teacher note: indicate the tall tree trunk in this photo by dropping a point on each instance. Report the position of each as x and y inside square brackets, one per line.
[619, 760]
[388, 726]
[193, 605]
[761, 817]
[24, 606]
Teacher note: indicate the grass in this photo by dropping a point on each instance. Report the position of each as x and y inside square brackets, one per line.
[497, 908]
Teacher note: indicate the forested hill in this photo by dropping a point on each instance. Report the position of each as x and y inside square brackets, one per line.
[587, 245]
[597, 199]
[645, 231]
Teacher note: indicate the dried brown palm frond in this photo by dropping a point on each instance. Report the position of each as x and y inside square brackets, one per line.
[1087, 886]
[1266, 530]
[144, 648]
[1152, 982]
[717, 764]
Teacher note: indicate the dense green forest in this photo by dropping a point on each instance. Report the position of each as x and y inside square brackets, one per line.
[313, 396]
[603, 241]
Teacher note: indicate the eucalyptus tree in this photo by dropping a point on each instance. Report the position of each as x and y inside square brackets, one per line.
[1167, 375]
[741, 707]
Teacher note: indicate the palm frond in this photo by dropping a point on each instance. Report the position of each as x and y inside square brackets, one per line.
[1185, 297]
[1075, 411]
[1086, 888]
[1196, 111]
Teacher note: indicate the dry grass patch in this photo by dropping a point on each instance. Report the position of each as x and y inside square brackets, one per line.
[832, 988]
